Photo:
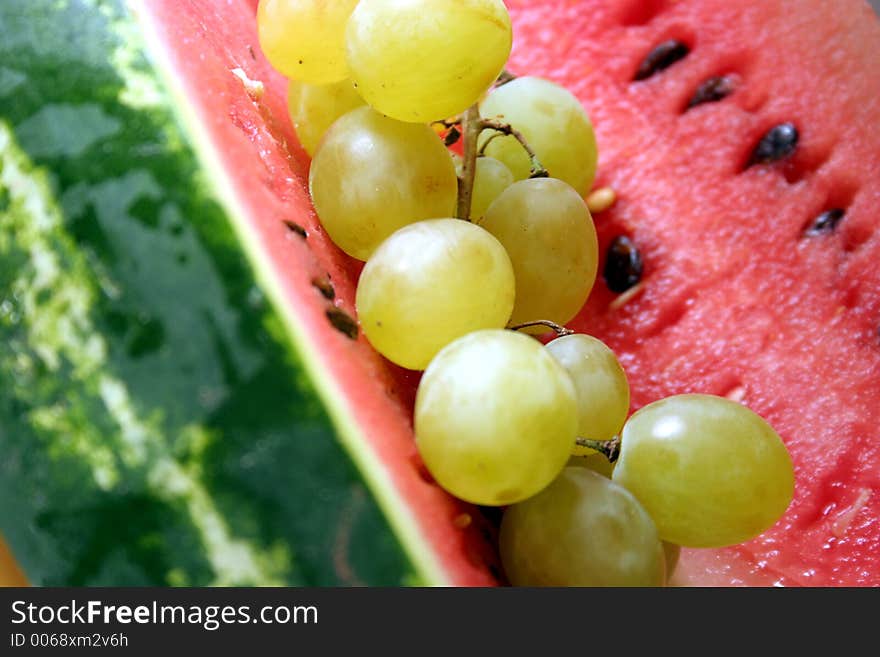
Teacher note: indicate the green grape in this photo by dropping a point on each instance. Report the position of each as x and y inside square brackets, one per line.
[430, 283]
[372, 175]
[495, 416]
[582, 530]
[548, 232]
[305, 39]
[594, 461]
[426, 61]
[709, 471]
[490, 179]
[600, 382]
[672, 552]
[314, 107]
[553, 123]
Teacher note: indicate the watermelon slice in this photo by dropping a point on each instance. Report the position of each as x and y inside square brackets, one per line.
[738, 295]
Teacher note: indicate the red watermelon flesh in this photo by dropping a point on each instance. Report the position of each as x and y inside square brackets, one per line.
[734, 300]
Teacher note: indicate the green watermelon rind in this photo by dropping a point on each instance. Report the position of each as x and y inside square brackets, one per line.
[186, 500]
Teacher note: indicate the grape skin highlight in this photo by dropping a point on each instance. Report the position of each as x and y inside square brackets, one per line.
[582, 530]
[710, 471]
[426, 61]
[548, 232]
[305, 39]
[495, 417]
[430, 283]
[372, 175]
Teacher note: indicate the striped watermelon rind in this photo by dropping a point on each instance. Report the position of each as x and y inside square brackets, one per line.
[156, 425]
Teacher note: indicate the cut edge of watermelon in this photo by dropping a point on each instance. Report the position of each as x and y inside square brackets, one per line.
[399, 515]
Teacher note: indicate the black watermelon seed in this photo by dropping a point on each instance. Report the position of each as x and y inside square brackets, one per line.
[623, 265]
[294, 227]
[711, 91]
[324, 286]
[343, 322]
[778, 143]
[661, 57]
[825, 222]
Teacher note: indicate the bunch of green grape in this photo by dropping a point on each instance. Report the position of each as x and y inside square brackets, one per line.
[467, 256]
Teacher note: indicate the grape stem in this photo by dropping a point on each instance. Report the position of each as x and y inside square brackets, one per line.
[559, 330]
[609, 448]
[504, 77]
[470, 125]
[471, 131]
[501, 128]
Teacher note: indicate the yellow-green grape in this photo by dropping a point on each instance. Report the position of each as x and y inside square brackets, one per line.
[495, 416]
[672, 552]
[491, 178]
[372, 175]
[710, 471]
[426, 61]
[305, 39]
[600, 382]
[582, 530]
[314, 107]
[548, 232]
[593, 461]
[430, 283]
[553, 123]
